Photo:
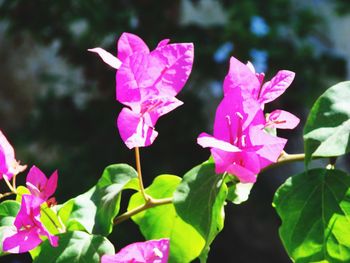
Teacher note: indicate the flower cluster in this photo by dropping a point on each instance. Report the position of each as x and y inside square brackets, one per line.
[147, 83]
[28, 229]
[152, 251]
[240, 145]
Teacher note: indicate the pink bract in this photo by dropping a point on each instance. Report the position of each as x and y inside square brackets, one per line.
[8, 163]
[39, 185]
[147, 83]
[152, 251]
[29, 229]
[240, 146]
[251, 83]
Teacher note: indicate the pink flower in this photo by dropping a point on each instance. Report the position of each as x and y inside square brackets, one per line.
[29, 229]
[147, 83]
[39, 185]
[8, 164]
[251, 83]
[152, 251]
[240, 146]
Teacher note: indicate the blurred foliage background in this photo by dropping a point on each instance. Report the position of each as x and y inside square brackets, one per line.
[58, 108]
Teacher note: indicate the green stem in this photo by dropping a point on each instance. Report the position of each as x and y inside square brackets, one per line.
[6, 194]
[139, 174]
[13, 190]
[150, 202]
[286, 158]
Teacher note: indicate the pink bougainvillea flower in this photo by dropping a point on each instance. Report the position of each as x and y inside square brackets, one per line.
[29, 229]
[152, 251]
[39, 185]
[251, 83]
[282, 120]
[240, 146]
[147, 83]
[8, 164]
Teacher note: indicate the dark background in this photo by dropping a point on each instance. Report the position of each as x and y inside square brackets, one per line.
[57, 103]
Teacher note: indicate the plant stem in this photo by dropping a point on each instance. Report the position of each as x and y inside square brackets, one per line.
[6, 194]
[13, 190]
[14, 182]
[150, 202]
[286, 158]
[139, 174]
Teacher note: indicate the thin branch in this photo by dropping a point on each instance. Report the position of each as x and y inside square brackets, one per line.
[139, 174]
[149, 204]
[9, 185]
[286, 158]
[6, 194]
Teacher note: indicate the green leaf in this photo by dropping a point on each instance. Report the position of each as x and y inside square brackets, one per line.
[327, 129]
[163, 222]
[75, 247]
[21, 190]
[95, 210]
[239, 192]
[315, 210]
[8, 211]
[50, 220]
[199, 200]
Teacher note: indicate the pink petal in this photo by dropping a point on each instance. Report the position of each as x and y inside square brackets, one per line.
[246, 166]
[178, 61]
[22, 241]
[241, 76]
[51, 185]
[276, 86]
[36, 180]
[136, 77]
[155, 107]
[133, 130]
[7, 157]
[281, 119]
[206, 140]
[152, 251]
[163, 43]
[128, 44]
[272, 146]
[107, 57]
[28, 212]
[234, 113]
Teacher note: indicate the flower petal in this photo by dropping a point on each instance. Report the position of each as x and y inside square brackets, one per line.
[272, 146]
[178, 61]
[281, 119]
[22, 241]
[128, 44]
[133, 129]
[107, 57]
[152, 251]
[206, 140]
[276, 86]
[155, 107]
[7, 157]
[241, 76]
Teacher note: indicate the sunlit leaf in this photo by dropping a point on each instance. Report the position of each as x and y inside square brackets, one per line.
[163, 222]
[75, 247]
[327, 130]
[315, 210]
[95, 210]
[199, 200]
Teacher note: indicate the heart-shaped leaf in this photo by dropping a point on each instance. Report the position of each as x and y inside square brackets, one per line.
[163, 222]
[75, 247]
[327, 129]
[315, 210]
[95, 210]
